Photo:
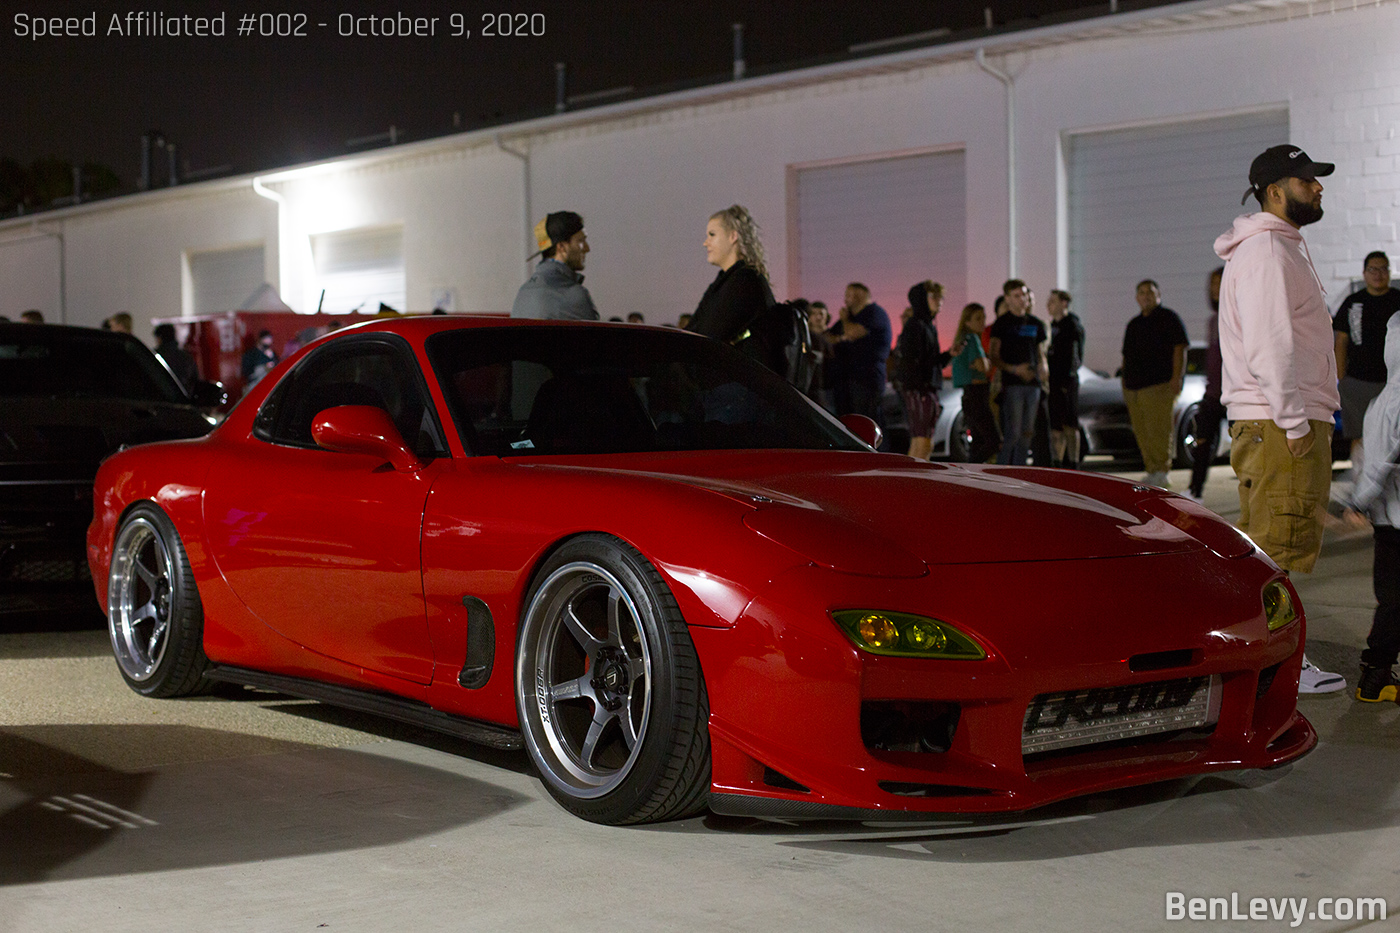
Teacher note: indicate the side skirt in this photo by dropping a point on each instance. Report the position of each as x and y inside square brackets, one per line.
[379, 704]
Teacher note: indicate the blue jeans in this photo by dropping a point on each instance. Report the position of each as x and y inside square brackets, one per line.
[1018, 407]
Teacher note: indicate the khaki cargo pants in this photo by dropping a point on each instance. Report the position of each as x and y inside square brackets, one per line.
[1150, 410]
[1283, 498]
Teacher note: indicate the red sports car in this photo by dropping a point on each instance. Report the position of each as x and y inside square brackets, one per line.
[679, 584]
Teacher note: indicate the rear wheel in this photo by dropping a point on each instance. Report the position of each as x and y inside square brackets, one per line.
[154, 614]
[611, 699]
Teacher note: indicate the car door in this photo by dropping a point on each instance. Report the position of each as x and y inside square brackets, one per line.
[324, 546]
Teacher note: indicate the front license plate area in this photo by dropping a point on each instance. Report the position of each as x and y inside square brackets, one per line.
[1108, 714]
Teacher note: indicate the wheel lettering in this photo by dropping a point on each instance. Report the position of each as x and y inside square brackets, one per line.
[542, 695]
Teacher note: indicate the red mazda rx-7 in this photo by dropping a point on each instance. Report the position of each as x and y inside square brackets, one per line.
[679, 584]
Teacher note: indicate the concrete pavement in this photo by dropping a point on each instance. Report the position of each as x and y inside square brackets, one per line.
[255, 812]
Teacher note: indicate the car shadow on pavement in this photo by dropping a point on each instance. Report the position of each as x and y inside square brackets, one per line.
[64, 816]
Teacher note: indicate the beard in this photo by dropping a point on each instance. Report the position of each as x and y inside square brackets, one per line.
[1301, 213]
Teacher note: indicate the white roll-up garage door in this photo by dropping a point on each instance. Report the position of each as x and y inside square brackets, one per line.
[360, 269]
[887, 222]
[221, 279]
[31, 267]
[1148, 203]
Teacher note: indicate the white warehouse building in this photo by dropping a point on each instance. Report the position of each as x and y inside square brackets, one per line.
[1086, 156]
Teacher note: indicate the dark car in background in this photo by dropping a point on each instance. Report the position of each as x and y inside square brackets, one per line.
[69, 397]
[1104, 426]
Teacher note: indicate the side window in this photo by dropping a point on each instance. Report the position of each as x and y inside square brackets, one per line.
[495, 401]
[361, 372]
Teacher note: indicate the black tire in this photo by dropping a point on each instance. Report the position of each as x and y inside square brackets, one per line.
[154, 614]
[959, 440]
[1186, 431]
[611, 699]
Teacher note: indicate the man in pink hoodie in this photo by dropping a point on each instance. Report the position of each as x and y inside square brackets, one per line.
[1279, 374]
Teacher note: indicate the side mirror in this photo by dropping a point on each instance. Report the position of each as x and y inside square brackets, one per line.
[208, 394]
[864, 428]
[363, 429]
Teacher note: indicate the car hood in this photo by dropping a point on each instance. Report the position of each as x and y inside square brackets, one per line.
[891, 516]
[73, 435]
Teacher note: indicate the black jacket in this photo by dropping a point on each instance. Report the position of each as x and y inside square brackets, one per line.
[732, 302]
[921, 359]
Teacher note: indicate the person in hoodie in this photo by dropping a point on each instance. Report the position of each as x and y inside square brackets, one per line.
[1278, 369]
[555, 291]
[919, 373]
[1377, 496]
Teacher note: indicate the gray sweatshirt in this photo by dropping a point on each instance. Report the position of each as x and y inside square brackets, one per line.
[554, 292]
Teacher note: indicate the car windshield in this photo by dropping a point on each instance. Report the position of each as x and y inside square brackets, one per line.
[524, 391]
[69, 362]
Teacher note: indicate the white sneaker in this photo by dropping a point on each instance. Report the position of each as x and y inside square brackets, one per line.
[1312, 680]
[1199, 500]
[1155, 479]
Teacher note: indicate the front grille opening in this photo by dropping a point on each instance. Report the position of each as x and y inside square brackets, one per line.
[904, 789]
[777, 779]
[908, 725]
[1160, 660]
[1155, 743]
[1266, 680]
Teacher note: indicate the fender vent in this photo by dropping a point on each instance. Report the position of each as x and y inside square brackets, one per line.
[481, 644]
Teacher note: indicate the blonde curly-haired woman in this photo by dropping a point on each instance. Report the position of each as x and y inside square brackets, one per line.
[740, 292]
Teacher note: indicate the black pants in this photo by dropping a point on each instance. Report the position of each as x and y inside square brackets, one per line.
[977, 416]
[1208, 418]
[1383, 644]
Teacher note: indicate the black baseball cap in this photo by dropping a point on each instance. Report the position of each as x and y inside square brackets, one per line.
[1283, 162]
[556, 228]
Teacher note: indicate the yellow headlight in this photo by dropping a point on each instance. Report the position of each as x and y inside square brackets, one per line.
[877, 631]
[902, 635]
[1278, 606]
[923, 635]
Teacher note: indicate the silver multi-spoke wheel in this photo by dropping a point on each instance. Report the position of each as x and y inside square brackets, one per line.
[1188, 434]
[590, 677]
[609, 690]
[153, 612]
[139, 597]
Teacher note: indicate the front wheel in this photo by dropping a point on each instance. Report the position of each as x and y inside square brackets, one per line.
[154, 614]
[609, 690]
[1187, 434]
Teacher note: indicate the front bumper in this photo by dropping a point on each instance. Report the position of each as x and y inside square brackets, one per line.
[791, 702]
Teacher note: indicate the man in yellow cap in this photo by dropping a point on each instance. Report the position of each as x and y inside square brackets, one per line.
[555, 290]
